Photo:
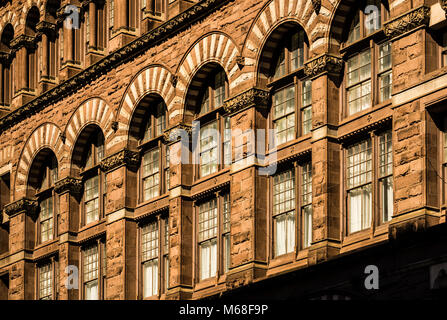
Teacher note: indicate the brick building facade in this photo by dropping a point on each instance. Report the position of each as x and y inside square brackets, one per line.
[92, 116]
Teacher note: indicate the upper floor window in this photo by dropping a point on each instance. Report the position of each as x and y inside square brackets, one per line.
[45, 282]
[155, 120]
[93, 178]
[93, 273]
[291, 112]
[361, 163]
[306, 203]
[155, 257]
[368, 59]
[214, 145]
[213, 238]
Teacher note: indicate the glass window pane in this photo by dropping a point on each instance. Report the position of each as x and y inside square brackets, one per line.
[284, 115]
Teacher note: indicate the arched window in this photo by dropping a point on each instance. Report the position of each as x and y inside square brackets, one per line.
[42, 178]
[87, 156]
[6, 66]
[205, 99]
[368, 74]
[31, 62]
[291, 112]
[148, 125]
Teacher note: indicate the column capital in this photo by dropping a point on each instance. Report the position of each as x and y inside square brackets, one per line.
[411, 20]
[26, 205]
[46, 27]
[125, 157]
[23, 41]
[324, 64]
[250, 98]
[68, 184]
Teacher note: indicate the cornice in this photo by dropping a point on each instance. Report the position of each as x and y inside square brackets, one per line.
[69, 184]
[411, 20]
[28, 205]
[116, 58]
[125, 157]
[323, 64]
[209, 192]
[370, 127]
[252, 97]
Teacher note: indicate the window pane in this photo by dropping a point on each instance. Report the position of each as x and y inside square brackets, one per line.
[284, 225]
[151, 175]
[205, 105]
[91, 290]
[219, 89]
[354, 32]
[359, 164]
[284, 115]
[160, 119]
[150, 278]
[360, 208]
[386, 194]
[91, 272]
[385, 154]
[226, 252]
[297, 50]
[385, 57]
[46, 219]
[208, 149]
[307, 226]
[283, 193]
[149, 241]
[91, 199]
[208, 220]
[280, 69]
[45, 282]
[306, 187]
[208, 259]
[226, 213]
[227, 142]
[306, 111]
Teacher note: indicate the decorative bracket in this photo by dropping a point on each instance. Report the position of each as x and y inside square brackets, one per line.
[326, 63]
[252, 97]
[125, 157]
[409, 21]
[26, 205]
[69, 184]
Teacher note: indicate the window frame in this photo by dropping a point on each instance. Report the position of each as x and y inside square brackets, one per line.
[54, 274]
[100, 245]
[376, 218]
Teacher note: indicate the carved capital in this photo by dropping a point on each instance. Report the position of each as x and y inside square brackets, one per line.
[324, 64]
[413, 19]
[69, 184]
[26, 205]
[444, 5]
[178, 132]
[23, 41]
[317, 6]
[125, 157]
[252, 97]
[46, 27]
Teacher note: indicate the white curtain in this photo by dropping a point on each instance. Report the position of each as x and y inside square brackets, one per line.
[208, 259]
[367, 206]
[290, 232]
[387, 199]
[355, 210]
[150, 278]
[280, 236]
[91, 290]
[307, 226]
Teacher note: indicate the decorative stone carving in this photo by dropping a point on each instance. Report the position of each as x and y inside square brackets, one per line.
[176, 133]
[317, 6]
[411, 20]
[28, 205]
[252, 97]
[125, 157]
[69, 184]
[46, 27]
[324, 64]
[23, 41]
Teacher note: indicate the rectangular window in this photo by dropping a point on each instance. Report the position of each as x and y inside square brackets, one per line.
[151, 175]
[91, 276]
[208, 239]
[227, 141]
[111, 15]
[386, 175]
[306, 203]
[226, 232]
[45, 282]
[359, 179]
[46, 219]
[359, 82]
[166, 253]
[306, 108]
[167, 164]
[385, 72]
[149, 254]
[91, 202]
[208, 149]
[284, 115]
[284, 212]
[5, 190]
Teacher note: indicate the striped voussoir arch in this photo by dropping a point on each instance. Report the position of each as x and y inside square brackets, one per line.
[93, 111]
[214, 47]
[9, 18]
[340, 19]
[40, 4]
[45, 136]
[151, 80]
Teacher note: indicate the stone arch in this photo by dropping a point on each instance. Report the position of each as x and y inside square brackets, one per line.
[276, 13]
[40, 4]
[46, 136]
[9, 18]
[154, 79]
[92, 111]
[214, 47]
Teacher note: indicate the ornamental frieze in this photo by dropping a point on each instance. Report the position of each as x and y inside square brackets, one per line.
[252, 97]
[411, 20]
[125, 157]
[324, 64]
[23, 205]
[69, 184]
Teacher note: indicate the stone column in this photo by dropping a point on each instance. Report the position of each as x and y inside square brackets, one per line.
[121, 31]
[68, 190]
[21, 241]
[92, 23]
[121, 169]
[249, 189]
[180, 216]
[325, 71]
